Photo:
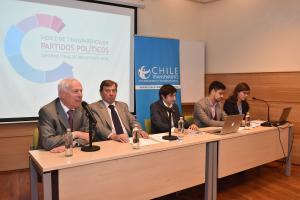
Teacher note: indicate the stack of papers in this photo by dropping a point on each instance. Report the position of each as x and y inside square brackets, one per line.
[153, 139]
[157, 138]
[255, 123]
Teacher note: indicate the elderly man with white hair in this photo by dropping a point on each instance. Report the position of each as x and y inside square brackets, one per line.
[63, 113]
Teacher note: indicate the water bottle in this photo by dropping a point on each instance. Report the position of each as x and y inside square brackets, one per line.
[136, 137]
[247, 120]
[68, 138]
[180, 128]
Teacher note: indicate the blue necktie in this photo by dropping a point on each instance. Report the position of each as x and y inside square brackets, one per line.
[116, 120]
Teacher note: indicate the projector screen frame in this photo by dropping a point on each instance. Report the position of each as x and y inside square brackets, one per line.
[135, 10]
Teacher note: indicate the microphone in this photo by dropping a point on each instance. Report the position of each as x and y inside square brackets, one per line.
[92, 125]
[170, 136]
[267, 123]
[89, 113]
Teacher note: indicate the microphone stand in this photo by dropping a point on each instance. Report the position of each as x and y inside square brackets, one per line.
[90, 147]
[170, 136]
[267, 123]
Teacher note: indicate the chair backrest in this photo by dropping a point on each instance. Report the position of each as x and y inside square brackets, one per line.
[189, 118]
[147, 123]
[35, 139]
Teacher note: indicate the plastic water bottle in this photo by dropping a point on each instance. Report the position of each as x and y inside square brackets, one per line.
[180, 128]
[68, 138]
[136, 137]
[247, 120]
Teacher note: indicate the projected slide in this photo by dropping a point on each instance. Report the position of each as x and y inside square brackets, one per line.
[42, 44]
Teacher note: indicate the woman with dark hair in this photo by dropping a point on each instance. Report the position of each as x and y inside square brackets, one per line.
[237, 102]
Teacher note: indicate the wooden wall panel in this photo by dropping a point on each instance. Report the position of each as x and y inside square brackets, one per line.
[14, 153]
[273, 87]
[187, 108]
[15, 141]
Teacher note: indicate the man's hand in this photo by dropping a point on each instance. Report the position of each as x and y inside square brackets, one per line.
[81, 135]
[59, 149]
[194, 127]
[144, 134]
[175, 130]
[120, 137]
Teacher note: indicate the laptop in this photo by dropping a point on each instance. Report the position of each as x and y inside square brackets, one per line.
[231, 125]
[283, 117]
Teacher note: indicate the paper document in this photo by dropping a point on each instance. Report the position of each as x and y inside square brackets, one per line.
[144, 142]
[255, 123]
[158, 137]
[193, 132]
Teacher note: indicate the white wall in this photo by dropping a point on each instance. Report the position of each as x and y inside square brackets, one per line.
[179, 19]
[192, 74]
[240, 35]
[252, 36]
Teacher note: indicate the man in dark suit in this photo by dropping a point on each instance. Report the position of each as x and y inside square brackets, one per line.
[159, 111]
[59, 115]
[114, 121]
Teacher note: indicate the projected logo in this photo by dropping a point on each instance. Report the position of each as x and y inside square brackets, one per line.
[13, 42]
[143, 73]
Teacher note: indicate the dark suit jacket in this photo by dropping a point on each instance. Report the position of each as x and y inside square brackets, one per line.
[160, 118]
[231, 108]
[104, 122]
[53, 124]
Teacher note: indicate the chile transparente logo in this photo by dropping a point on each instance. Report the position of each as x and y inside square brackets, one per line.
[13, 42]
[144, 73]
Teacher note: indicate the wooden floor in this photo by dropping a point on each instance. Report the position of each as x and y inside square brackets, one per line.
[264, 183]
